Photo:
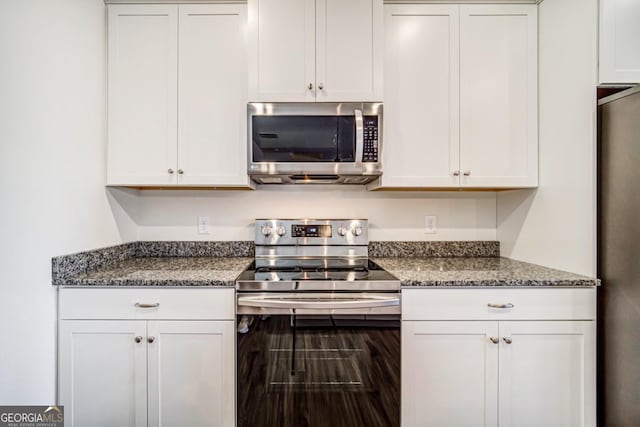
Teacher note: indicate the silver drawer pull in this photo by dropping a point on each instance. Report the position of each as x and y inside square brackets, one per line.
[139, 305]
[507, 305]
[507, 340]
[494, 340]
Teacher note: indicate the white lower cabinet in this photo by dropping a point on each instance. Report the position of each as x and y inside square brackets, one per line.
[147, 371]
[191, 373]
[500, 372]
[449, 374]
[546, 375]
[103, 372]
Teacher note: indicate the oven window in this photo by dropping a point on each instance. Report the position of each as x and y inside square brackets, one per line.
[318, 371]
[303, 138]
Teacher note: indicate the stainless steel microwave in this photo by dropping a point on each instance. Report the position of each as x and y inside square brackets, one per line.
[323, 143]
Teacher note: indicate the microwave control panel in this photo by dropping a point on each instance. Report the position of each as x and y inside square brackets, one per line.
[370, 149]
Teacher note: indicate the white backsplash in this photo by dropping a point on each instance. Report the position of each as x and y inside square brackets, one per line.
[173, 215]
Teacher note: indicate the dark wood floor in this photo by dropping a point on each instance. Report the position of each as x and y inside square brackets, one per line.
[338, 376]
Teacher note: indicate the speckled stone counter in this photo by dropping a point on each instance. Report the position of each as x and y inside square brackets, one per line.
[478, 272]
[438, 249]
[416, 264]
[164, 271]
[182, 263]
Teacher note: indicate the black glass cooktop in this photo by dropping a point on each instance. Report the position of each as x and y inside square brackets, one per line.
[301, 270]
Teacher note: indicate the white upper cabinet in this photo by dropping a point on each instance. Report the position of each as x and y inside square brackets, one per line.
[142, 94]
[421, 132]
[349, 37]
[315, 50]
[212, 102]
[498, 96]
[460, 96]
[282, 57]
[619, 41]
[177, 95]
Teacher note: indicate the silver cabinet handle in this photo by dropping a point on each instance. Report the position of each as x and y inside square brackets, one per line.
[180, 171]
[467, 173]
[321, 86]
[150, 340]
[507, 305]
[310, 304]
[138, 339]
[310, 86]
[456, 173]
[494, 340]
[359, 138]
[140, 305]
[507, 340]
[170, 171]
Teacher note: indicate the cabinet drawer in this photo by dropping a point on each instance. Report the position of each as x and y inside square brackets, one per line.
[167, 303]
[474, 304]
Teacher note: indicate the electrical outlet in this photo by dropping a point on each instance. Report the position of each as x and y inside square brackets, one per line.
[430, 224]
[203, 224]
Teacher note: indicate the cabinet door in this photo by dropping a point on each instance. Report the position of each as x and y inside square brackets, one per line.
[102, 375]
[498, 96]
[421, 83]
[282, 57]
[349, 38]
[212, 102]
[619, 41]
[547, 374]
[449, 374]
[142, 94]
[191, 373]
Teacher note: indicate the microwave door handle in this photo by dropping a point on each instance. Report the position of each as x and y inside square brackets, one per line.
[359, 139]
[310, 304]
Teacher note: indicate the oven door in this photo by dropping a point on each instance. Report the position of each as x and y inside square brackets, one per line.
[318, 360]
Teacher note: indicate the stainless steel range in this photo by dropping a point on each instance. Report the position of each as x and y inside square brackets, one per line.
[318, 329]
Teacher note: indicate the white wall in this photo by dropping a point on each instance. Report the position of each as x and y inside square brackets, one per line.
[555, 224]
[52, 135]
[172, 215]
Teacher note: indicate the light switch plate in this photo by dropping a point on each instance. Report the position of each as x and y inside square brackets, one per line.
[430, 224]
[203, 224]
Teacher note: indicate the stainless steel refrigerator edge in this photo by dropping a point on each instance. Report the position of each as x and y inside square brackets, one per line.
[619, 259]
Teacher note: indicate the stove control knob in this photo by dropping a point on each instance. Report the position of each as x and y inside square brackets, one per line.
[266, 230]
[356, 230]
[342, 231]
[281, 230]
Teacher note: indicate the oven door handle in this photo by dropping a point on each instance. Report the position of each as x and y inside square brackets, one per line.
[359, 138]
[315, 304]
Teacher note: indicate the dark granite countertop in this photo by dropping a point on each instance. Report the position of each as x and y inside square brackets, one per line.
[164, 271]
[479, 272]
[416, 264]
